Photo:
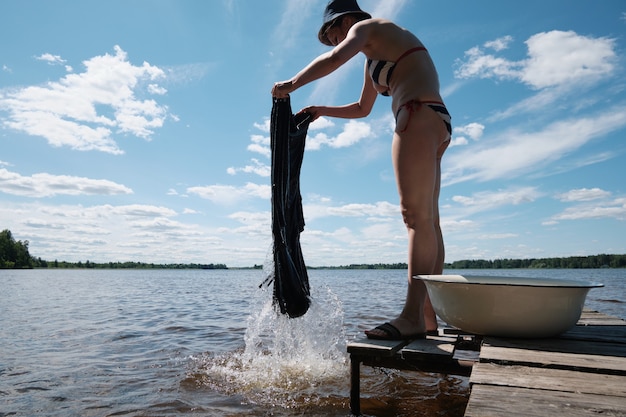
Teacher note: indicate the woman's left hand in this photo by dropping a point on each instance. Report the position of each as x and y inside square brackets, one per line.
[282, 89]
[314, 111]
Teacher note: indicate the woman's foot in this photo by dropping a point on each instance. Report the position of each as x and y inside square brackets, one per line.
[388, 331]
[398, 329]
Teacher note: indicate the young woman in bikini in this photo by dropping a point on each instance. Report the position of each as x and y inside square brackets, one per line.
[398, 65]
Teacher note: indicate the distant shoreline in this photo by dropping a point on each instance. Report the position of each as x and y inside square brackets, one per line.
[572, 262]
[14, 254]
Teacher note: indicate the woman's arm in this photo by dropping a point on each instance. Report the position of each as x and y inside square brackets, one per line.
[355, 110]
[326, 63]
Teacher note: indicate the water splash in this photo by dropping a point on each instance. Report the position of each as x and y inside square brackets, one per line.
[290, 363]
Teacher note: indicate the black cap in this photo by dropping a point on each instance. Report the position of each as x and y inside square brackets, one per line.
[335, 9]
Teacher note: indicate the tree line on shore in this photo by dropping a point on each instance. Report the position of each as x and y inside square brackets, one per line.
[571, 262]
[14, 254]
[39, 263]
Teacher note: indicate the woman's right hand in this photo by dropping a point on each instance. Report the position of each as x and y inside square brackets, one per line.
[282, 89]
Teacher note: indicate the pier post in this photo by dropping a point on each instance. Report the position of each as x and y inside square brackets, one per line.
[355, 385]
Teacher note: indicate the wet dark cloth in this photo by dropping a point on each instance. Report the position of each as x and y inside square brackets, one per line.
[291, 281]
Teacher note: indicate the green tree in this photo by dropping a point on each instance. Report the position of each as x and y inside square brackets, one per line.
[13, 254]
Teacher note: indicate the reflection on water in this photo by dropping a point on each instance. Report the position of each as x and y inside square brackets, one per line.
[209, 343]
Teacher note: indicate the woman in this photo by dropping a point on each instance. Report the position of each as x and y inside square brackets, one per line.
[398, 66]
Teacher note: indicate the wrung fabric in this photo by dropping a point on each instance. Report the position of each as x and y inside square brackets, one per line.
[291, 290]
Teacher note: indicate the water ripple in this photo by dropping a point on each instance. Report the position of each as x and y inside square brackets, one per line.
[208, 343]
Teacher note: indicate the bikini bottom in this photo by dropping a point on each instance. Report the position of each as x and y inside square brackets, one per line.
[437, 106]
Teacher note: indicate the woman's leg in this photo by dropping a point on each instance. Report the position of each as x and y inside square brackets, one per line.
[429, 312]
[416, 153]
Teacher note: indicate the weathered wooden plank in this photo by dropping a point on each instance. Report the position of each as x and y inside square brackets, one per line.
[433, 345]
[371, 347]
[601, 321]
[555, 353]
[549, 379]
[608, 333]
[587, 313]
[590, 317]
[550, 348]
[560, 345]
[495, 401]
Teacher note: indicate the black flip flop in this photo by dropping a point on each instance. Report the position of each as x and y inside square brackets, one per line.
[392, 333]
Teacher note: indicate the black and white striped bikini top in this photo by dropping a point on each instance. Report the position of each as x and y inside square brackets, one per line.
[381, 71]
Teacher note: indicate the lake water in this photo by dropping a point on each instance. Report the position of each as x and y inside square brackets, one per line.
[208, 343]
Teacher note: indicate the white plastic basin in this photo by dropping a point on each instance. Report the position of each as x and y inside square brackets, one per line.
[507, 306]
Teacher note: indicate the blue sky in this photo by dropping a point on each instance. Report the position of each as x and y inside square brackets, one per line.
[138, 130]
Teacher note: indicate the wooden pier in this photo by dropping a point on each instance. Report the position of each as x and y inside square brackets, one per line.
[580, 373]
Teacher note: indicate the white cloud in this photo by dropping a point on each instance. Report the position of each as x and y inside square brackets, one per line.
[489, 200]
[375, 229]
[481, 65]
[353, 132]
[140, 210]
[591, 203]
[48, 185]
[230, 6]
[292, 21]
[256, 224]
[229, 194]
[555, 58]
[473, 130]
[558, 57]
[615, 209]
[449, 225]
[458, 141]
[321, 123]
[69, 113]
[257, 167]
[512, 153]
[378, 209]
[388, 9]
[500, 43]
[105, 233]
[264, 127]
[185, 73]
[51, 59]
[260, 144]
[583, 194]
[496, 236]
[323, 208]
[536, 103]
[156, 89]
